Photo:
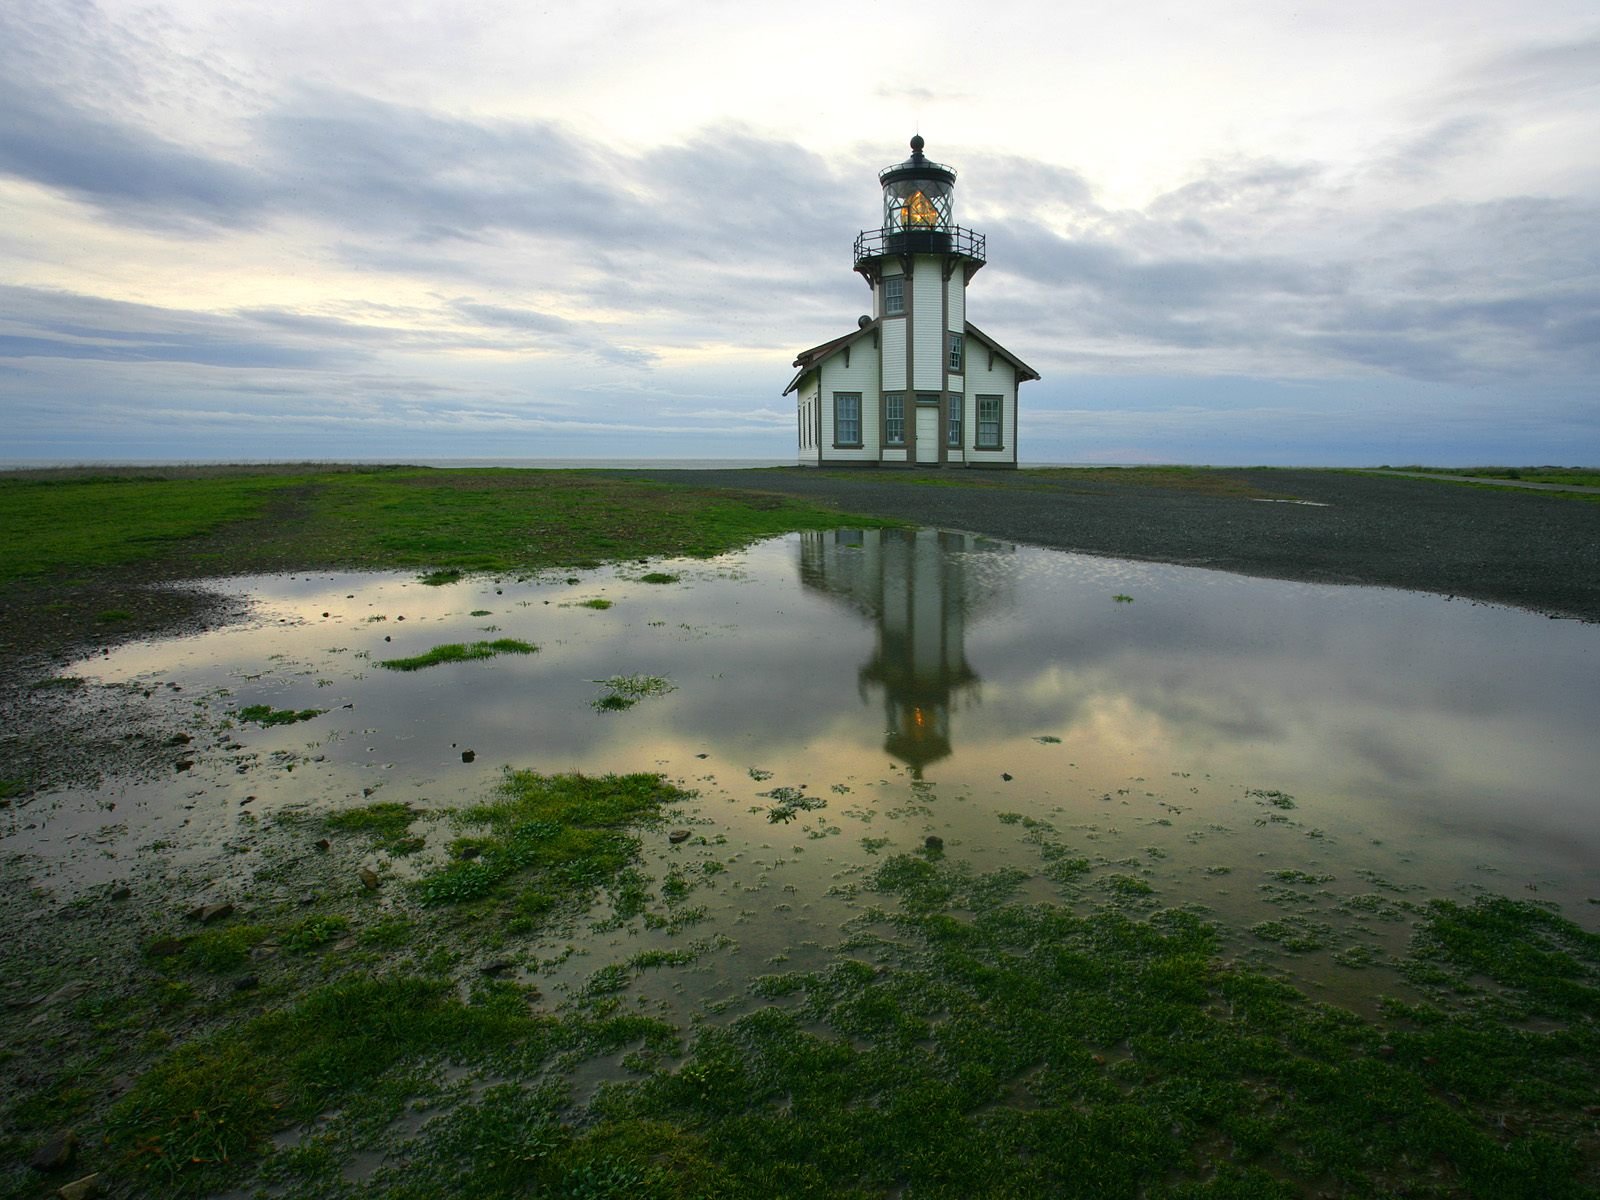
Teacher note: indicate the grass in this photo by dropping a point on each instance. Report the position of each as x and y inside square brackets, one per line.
[266, 715]
[960, 1042]
[229, 520]
[554, 838]
[451, 652]
[1570, 476]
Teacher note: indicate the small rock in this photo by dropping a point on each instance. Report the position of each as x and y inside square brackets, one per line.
[121, 893]
[323, 844]
[246, 983]
[678, 835]
[369, 879]
[309, 898]
[387, 638]
[702, 755]
[179, 739]
[1006, 775]
[55, 1153]
[207, 913]
[933, 842]
[469, 852]
[468, 755]
[80, 1189]
[183, 764]
[498, 967]
[165, 947]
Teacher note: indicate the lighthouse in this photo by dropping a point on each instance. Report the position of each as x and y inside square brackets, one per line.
[915, 384]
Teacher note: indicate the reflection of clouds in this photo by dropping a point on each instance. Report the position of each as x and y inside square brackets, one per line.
[1429, 714]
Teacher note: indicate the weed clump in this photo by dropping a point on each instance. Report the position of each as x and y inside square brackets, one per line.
[265, 715]
[459, 652]
[624, 691]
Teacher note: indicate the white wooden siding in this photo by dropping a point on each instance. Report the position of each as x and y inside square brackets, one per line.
[983, 380]
[807, 401]
[894, 354]
[957, 289]
[860, 376]
[927, 317]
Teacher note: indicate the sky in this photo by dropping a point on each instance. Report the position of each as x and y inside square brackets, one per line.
[1222, 231]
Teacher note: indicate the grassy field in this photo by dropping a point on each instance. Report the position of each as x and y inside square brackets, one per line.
[186, 524]
[347, 1033]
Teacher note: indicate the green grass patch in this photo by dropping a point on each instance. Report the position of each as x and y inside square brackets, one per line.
[238, 519]
[385, 823]
[659, 577]
[452, 652]
[207, 1108]
[219, 951]
[72, 524]
[598, 603]
[989, 1048]
[440, 578]
[562, 836]
[266, 715]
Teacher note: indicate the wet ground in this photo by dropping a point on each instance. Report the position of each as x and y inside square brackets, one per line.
[1305, 762]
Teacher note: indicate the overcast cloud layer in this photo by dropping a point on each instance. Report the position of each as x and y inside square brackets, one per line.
[1222, 232]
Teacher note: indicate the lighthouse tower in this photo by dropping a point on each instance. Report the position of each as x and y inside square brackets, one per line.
[916, 383]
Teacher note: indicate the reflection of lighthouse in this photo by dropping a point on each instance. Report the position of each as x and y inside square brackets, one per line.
[921, 587]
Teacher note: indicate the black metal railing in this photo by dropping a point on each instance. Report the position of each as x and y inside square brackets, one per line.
[920, 239]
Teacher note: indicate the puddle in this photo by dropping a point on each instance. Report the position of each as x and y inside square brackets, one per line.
[1304, 761]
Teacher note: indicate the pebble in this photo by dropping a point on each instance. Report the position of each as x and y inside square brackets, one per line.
[468, 755]
[369, 878]
[55, 1153]
[207, 913]
[933, 842]
[678, 835]
[80, 1189]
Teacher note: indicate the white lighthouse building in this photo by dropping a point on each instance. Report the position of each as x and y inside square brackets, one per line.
[915, 383]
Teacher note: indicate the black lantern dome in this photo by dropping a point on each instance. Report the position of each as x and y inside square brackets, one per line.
[918, 215]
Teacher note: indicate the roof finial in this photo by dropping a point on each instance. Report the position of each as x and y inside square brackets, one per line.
[916, 146]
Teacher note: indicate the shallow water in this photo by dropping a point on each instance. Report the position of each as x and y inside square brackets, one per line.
[1184, 730]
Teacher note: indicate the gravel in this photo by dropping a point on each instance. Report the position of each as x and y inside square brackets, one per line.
[1529, 549]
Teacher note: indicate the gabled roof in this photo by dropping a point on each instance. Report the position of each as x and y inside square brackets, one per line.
[807, 359]
[1024, 371]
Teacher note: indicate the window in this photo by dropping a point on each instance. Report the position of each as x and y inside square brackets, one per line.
[894, 295]
[894, 418]
[955, 352]
[847, 418]
[988, 423]
[953, 431]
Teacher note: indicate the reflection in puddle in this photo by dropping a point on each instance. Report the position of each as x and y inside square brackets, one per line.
[1302, 761]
